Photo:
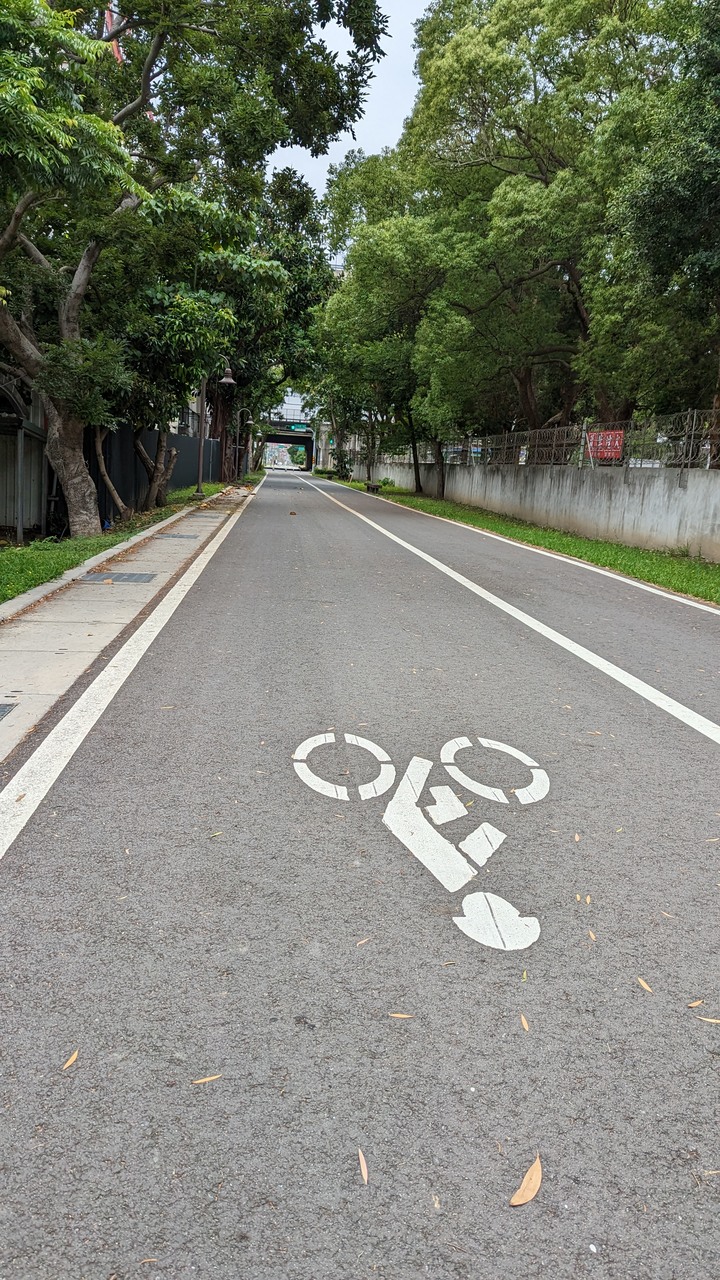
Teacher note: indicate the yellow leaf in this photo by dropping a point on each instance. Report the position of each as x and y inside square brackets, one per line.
[71, 1059]
[401, 1015]
[667, 915]
[362, 942]
[587, 900]
[215, 833]
[207, 1079]
[592, 935]
[524, 976]
[645, 986]
[363, 1167]
[695, 1003]
[524, 1022]
[530, 1184]
[577, 897]
[701, 1019]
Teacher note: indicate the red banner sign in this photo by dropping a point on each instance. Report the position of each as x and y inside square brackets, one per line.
[605, 446]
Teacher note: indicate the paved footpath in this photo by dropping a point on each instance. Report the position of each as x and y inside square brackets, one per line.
[376, 834]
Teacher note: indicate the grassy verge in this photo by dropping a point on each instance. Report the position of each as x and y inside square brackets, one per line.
[677, 571]
[24, 567]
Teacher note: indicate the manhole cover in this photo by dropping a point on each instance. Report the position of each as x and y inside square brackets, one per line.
[119, 577]
[6, 708]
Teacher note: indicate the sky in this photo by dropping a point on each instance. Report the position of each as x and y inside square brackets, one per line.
[389, 100]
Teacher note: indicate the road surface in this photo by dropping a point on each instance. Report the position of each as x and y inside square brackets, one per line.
[371, 764]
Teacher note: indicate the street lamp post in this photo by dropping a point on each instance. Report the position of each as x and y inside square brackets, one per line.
[226, 381]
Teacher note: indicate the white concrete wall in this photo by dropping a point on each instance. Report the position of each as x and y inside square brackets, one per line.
[658, 508]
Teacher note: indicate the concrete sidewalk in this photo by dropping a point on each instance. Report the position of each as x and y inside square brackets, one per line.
[44, 650]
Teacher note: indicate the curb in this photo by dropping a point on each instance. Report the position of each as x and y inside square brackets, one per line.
[19, 604]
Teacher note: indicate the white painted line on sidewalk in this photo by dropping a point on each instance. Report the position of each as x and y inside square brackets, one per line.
[661, 700]
[29, 786]
[573, 561]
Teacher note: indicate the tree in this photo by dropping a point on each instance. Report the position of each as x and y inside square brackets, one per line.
[187, 95]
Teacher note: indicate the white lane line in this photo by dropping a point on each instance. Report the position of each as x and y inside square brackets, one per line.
[661, 700]
[29, 786]
[573, 561]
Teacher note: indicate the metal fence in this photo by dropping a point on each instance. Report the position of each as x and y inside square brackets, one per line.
[681, 440]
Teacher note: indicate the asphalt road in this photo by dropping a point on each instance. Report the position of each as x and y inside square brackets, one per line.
[183, 905]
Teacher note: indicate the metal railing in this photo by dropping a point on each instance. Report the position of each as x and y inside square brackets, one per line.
[681, 440]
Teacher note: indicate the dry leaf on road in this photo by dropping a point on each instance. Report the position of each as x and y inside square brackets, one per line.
[71, 1059]
[20, 797]
[401, 1015]
[667, 915]
[577, 838]
[701, 1019]
[363, 1167]
[207, 1079]
[524, 1022]
[694, 1004]
[362, 942]
[530, 1184]
[592, 935]
[587, 900]
[645, 986]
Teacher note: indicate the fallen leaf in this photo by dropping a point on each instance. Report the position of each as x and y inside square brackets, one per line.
[524, 1022]
[530, 1184]
[71, 1059]
[524, 976]
[293, 513]
[401, 1015]
[363, 1167]
[214, 834]
[207, 1079]
[645, 986]
[667, 915]
[587, 900]
[592, 935]
[146, 1260]
[577, 897]
[700, 1018]
[445, 963]
[619, 829]
[20, 797]
[107, 582]
[695, 1004]
[362, 942]
[577, 837]
[711, 1173]
[436, 1199]
[714, 840]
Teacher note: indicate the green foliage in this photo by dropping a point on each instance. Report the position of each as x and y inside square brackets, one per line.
[542, 244]
[86, 376]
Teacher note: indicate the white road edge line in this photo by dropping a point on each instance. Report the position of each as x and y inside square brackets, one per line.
[691, 718]
[28, 787]
[573, 561]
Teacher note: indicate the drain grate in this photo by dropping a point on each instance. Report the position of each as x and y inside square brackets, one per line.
[194, 536]
[6, 708]
[119, 577]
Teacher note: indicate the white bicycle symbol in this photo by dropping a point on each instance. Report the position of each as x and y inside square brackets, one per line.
[486, 918]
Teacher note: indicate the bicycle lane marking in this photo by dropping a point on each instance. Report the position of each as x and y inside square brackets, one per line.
[708, 728]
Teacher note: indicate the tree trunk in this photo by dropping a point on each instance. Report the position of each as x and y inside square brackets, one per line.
[172, 458]
[124, 513]
[414, 448]
[158, 472]
[258, 455]
[64, 450]
[440, 464]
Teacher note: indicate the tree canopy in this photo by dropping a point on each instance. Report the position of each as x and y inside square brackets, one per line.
[141, 243]
[542, 244]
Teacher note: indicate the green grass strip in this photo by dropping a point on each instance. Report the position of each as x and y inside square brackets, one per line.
[677, 571]
[24, 567]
